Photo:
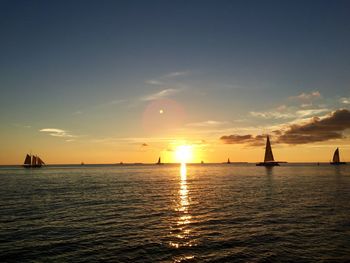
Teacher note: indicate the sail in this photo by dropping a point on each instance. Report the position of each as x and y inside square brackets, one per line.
[336, 158]
[34, 160]
[27, 160]
[268, 151]
[159, 161]
[228, 160]
[40, 162]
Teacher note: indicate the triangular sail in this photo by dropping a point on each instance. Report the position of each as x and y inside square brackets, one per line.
[336, 158]
[228, 160]
[27, 160]
[34, 160]
[40, 162]
[268, 151]
[159, 161]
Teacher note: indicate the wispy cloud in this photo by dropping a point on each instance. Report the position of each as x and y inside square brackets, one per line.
[310, 112]
[344, 100]
[209, 123]
[165, 79]
[160, 94]
[272, 114]
[57, 133]
[252, 140]
[304, 96]
[288, 113]
[176, 74]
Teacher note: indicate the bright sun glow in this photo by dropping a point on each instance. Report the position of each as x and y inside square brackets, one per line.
[183, 154]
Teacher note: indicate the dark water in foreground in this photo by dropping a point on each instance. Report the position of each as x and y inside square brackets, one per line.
[209, 213]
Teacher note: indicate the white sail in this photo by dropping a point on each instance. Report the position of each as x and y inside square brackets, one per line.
[268, 151]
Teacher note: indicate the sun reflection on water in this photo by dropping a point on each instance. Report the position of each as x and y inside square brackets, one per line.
[181, 232]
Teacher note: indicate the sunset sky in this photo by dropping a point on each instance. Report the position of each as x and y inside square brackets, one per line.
[111, 81]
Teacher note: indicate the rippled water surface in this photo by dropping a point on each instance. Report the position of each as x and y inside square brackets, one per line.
[168, 213]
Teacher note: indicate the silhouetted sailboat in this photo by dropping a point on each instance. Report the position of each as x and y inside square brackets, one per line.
[336, 158]
[228, 161]
[33, 161]
[268, 159]
[159, 161]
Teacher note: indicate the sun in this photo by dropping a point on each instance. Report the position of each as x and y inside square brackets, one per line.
[183, 153]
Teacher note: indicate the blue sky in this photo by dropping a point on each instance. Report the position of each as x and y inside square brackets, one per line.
[88, 67]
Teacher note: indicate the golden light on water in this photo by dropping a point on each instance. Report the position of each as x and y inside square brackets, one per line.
[183, 192]
[183, 233]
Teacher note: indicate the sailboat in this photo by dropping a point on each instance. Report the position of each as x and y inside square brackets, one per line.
[33, 161]
[159, 161]
[336, 158]
[228, 161]
[268, 160]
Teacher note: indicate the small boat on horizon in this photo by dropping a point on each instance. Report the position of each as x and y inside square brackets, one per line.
[33, 161]
[336, 158]
[228, 161]
[159, 161]
[268, 159]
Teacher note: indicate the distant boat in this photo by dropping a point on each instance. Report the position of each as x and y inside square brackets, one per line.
[33, 161]
[268, 160]
[82, 163]
[228, 161]
[202, 162]
[159, 161]
[336, 158]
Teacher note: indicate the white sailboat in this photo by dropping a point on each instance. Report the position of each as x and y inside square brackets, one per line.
[268, 159]
[33, 161]
[336, 158]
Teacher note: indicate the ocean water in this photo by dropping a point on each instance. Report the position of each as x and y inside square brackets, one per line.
[172, 213]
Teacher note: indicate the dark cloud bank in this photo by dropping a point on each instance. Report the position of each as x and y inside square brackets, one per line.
[316, 130]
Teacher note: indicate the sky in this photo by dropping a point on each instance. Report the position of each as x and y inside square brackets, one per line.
[112, 81]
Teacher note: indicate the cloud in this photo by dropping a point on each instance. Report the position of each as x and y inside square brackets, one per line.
[164, 80]
[252, 140]
[318, 129]
[272, 115]
[175, 74]
[57, 132]
[287, 113]
[307, 96]
[208, 123]
[161, 94]
[310, 112]
[344, 100]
